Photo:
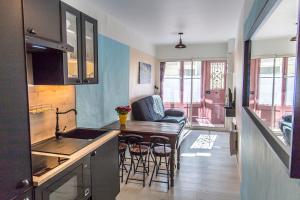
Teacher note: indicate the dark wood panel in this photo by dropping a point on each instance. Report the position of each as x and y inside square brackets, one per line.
[15, 159]
[105, 171]
[146, 127]
[44, 17]
[85, 18]
[295, 148]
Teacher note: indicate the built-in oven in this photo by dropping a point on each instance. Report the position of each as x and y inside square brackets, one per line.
[73, 183]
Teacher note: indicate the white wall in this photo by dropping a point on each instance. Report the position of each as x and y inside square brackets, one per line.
[193, 51]
[110, 27]
[136, 90]
[268, 47]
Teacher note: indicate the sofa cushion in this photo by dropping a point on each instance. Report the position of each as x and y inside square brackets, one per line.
[148, 109]
[173, 119]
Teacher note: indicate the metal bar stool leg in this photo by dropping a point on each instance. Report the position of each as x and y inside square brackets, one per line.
[154, 169]
[131, 164]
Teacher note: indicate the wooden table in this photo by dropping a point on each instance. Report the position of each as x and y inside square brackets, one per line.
[147, 129]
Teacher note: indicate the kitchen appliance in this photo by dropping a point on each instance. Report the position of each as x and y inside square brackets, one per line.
[42, 164]
[64, 146]
[73, 183]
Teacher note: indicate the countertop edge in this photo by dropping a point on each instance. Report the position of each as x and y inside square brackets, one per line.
[37, 181]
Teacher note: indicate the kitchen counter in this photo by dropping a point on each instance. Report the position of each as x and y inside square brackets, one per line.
[37, 181]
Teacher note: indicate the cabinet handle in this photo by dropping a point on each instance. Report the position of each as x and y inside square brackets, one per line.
[86, 81]
[86, 192]
[94, 153]
[23, 183]
[31, 31]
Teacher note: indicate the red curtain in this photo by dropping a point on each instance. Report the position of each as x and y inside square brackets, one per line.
[162, 75]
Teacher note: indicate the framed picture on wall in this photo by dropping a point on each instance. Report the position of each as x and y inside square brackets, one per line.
[144, 73]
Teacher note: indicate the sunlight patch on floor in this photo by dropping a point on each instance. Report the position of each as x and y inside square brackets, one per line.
[204, 142]
[198, 154]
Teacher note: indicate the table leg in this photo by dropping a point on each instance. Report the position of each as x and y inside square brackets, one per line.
[178, 158]
[172, 167]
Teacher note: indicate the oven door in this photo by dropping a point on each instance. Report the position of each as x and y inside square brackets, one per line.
[73, 186]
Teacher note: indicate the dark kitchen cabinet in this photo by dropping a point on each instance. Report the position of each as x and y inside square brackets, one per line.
[71, 34]
[89, 49]
[42, 19]
[80, 66]
[105, 171]
[15, 155]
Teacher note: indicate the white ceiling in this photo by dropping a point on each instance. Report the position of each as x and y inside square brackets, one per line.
[159, 21]
[281, 23]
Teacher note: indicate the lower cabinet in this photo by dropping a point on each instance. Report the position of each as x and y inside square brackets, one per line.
[105, 171]
[74, 183]
[27, 196]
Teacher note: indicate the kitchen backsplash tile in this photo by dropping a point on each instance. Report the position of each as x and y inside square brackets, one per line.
[43, 101]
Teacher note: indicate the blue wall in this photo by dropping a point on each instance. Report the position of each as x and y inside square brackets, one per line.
[96, 103]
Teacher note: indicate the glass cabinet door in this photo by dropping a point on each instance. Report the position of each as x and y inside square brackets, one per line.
[71, 28]
[89, 44]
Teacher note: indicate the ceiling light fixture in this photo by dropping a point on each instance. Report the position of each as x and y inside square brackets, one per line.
[180, 45]
[293, 39]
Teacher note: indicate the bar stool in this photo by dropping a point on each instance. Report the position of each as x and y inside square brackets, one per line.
[122, 152]
[160, 148]
[139, 151]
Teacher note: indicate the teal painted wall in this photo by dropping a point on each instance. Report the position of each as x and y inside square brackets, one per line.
[264, 176]
[96, 103]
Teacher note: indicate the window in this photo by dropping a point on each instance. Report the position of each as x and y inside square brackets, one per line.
[273, 92]
[172, 80]
[217, 75]
[270, 81]
[290, 78]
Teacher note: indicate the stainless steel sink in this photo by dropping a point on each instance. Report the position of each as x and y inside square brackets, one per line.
[82, 133]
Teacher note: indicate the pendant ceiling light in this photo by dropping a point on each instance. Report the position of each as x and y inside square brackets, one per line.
[293, 39]
[180, 45]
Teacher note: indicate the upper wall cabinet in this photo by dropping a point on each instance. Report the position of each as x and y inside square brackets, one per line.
[42, 19]
[78, 31]
[71, 34]
[89, 49]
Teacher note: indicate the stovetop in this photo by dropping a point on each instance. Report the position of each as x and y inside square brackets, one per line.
[64, 146]
[42, 164]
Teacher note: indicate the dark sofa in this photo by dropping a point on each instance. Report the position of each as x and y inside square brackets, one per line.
[151, 108]
[286, 124]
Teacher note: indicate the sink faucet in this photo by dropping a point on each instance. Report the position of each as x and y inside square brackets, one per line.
[57, 133]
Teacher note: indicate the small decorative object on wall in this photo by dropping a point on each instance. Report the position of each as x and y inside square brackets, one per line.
[144, 73]
[123, 112]
[156, 90]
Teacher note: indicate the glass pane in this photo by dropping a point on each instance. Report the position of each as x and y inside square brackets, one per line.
[187, 76]
[89, 39]
[67, 191]
[272, 72]
[171, 88]
[290, 78]
[72, 40]
[197, 82]
[217, 74]
[265, 89]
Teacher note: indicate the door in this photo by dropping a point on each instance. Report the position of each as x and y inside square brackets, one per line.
[71, 33]
[105, 171]
[70, 187]
[89, 49]
[15, 155]
[212, 113]
[42, 19]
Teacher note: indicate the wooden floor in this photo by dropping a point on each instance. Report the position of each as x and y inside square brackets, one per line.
[207, 172]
